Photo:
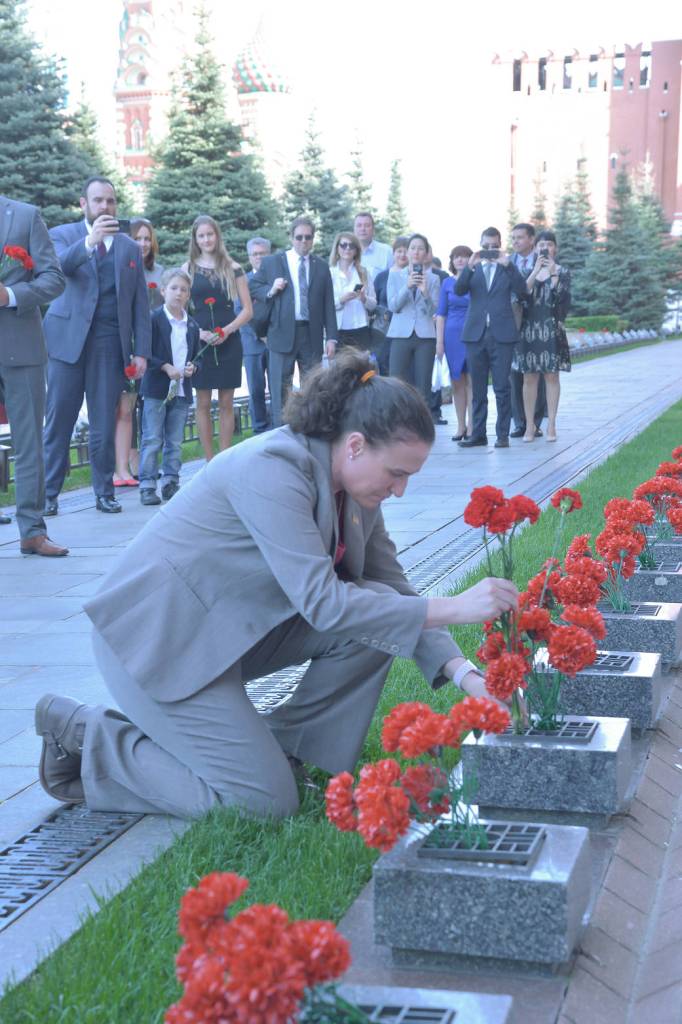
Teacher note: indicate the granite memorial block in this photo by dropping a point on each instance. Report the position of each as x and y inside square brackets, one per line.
[648, 626]
[661, 584]
[620, 684]
[439, 911]
[551, 772]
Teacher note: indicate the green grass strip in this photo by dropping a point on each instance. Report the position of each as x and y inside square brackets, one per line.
[118, 968]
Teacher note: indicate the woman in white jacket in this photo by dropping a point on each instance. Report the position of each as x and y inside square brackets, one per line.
[354, 295]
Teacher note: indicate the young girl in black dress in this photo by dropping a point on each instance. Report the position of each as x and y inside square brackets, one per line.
[216, 282]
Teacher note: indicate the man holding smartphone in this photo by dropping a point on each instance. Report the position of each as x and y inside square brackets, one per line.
[99, 326]
[490, 333]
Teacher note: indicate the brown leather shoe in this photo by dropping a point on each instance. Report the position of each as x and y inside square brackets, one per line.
[42, 545]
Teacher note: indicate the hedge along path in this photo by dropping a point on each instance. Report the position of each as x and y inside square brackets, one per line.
[119, 968]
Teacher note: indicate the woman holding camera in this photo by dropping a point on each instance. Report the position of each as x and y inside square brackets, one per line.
[354, 296]
[543, 347]
[413, 299]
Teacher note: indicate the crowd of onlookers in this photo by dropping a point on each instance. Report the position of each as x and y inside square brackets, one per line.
[141, 342]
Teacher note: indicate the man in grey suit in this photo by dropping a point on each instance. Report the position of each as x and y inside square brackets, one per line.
[22, 362]
[100, 325]
[296, 288]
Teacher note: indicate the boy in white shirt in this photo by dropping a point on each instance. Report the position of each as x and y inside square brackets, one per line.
[166, 387]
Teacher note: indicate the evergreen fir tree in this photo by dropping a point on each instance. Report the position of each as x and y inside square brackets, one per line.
[360, 190]
[394, 222]
[622, 275]
[81, 129]
[313, 190]
[667, 251]
[38, 163]
[201, 167]
[513, 218]
[576, 233]
[539, 217]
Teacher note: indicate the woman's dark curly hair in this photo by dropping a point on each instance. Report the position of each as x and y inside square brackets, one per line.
[335, 401]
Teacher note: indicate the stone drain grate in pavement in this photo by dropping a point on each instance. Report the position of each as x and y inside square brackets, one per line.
[37, 862]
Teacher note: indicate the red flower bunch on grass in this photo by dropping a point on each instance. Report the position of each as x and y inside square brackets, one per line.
[256, 967]
[386, 797]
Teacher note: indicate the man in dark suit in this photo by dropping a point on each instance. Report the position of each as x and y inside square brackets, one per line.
[490, 332]
[255, 357]
[27, 285]
[99, 325]
[297, 288]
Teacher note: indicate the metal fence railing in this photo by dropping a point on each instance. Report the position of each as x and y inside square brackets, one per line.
[79, 441]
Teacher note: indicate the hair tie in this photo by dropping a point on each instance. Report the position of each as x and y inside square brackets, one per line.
[367, 376]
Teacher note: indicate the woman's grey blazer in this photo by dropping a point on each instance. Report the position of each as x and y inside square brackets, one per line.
[247, 544]
[412, 312]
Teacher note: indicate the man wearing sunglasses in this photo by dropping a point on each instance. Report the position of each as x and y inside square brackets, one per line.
[296, 287]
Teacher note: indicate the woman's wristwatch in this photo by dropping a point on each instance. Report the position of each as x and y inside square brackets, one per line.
[464, 669]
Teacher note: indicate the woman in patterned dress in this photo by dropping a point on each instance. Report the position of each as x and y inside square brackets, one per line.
[542, 347]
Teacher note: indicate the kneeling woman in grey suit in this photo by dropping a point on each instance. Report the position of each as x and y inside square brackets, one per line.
[274, 555]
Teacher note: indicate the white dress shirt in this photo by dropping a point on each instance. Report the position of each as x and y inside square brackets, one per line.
[352, 314]
[293, 259]
[178, 344]
[377, 257]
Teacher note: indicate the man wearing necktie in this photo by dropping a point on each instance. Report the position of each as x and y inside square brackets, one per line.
[99, 326]
[523, 244]
[490, 332]
[296, 287]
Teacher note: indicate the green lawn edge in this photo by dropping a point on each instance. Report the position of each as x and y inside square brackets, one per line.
[119, 967]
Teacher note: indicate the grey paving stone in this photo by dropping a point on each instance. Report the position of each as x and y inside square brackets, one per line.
[48, 649]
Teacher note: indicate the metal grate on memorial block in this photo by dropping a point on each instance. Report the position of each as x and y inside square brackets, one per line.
[667, 565]
[612, 663]
[43, 858]
[573, 730]
[506, 844]
[408, 1014]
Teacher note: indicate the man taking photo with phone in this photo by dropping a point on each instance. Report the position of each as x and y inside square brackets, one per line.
[94, 331]
[490, 333]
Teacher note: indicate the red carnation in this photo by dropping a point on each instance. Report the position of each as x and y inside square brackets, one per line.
[383, 808]
[677, 452]
[205, 905]
[567, 500]
[152, 285]
[669, 469]
[493, 646]
[425, 786]
[20, 255]
[571, 649]
[524, 508]
[580, 590]
[502, 518]
[675, 518]
[590, 619]
[322, 951]
[398, 719]
[130, 371]
[482, 503]
[209, 301]
[339, 802]
[219, 331]
[479, 713]
[506, 674]
[536, 622]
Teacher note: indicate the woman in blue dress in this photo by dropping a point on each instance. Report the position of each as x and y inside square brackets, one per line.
[450, 317]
